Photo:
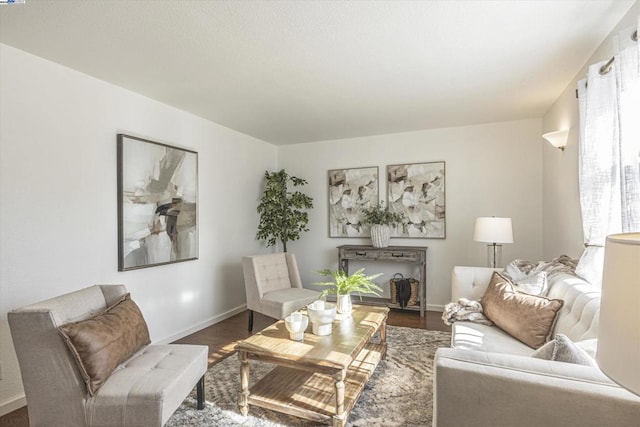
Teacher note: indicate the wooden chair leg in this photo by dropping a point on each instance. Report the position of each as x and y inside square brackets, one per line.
[250, 320]
[200, 393]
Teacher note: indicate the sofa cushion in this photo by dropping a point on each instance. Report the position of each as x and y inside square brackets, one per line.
[99, 344]
[148, 387]
[474, 336]
[528, 318]
[562, 349]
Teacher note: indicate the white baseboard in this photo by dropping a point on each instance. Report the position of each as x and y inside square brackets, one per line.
[205, 323]
[12, 403]
[435, 307]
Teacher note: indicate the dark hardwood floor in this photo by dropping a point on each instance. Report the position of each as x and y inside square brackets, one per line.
[221, 339]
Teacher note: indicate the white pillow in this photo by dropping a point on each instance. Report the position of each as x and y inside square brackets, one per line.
[562, 349]
[536, 284]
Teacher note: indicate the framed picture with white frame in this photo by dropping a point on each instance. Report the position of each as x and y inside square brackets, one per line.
[350, 191]
[418, 191]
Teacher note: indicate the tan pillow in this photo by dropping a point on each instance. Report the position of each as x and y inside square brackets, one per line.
[528, 318]
[99, 344]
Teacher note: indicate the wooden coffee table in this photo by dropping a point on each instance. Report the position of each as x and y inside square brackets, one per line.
[319, 378]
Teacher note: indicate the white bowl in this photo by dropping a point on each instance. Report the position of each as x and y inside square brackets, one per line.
[321, 316]
[296, 324]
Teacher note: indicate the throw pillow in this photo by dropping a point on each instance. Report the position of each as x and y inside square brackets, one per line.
[562, 349]
[99, 344]
[535, 284]
[528, 318]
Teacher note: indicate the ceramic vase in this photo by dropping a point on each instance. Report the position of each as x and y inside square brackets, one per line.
[344, 304]
[380, 235]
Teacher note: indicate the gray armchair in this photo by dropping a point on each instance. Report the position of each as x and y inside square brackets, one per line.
[273, 286]
[144, 390]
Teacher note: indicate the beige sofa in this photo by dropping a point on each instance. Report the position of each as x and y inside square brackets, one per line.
[489, 378]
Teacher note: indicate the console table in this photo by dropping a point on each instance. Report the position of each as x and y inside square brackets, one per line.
[411, 254]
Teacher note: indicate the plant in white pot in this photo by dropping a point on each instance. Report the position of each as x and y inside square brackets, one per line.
[381, 219]
[344, 285]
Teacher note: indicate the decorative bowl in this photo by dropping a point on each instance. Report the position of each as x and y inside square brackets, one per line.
[296, 324]
[321, 315]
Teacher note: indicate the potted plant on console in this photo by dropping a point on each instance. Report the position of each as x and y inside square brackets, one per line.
[381, 219]
[343, 285]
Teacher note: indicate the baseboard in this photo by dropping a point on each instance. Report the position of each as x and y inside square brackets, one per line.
[13, 403]
[434, 307]
[205, 323]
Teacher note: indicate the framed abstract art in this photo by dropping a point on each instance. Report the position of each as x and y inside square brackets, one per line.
[418, 190]
[157, 203]
[350, 191]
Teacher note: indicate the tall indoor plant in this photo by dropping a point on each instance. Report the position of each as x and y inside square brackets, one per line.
[343, 285]
[381, 218]
[282, 212]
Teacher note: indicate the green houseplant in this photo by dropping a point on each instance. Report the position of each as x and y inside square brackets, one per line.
[380, 217]
[282, 212]
[343, 285]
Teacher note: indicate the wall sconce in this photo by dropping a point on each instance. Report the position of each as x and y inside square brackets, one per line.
[558, 138]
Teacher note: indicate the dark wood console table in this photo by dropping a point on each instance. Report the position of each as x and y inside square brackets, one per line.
[411, 254]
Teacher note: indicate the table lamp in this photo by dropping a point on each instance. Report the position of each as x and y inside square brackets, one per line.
[618, 353]
[494, 231]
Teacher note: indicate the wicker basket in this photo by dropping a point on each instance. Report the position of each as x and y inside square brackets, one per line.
[414, 299]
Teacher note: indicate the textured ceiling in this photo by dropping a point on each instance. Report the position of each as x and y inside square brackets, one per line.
[299, 71]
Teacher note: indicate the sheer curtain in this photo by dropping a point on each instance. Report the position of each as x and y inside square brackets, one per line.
[609, 102]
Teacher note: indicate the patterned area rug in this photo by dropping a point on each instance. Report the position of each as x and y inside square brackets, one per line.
[398, 394]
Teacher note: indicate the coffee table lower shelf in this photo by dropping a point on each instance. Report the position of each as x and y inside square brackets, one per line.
[312, 395]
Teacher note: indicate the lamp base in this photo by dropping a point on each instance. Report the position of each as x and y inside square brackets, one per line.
[494, 255]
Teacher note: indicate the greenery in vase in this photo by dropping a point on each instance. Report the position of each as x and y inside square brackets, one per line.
[282, 215]
[345, 285]
[381, 214]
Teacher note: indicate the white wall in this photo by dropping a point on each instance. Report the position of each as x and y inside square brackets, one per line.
[58, 212]
[562, 217]
[491, 170]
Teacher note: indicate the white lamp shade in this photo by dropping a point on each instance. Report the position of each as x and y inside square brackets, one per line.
[618, 353]
[558, 138]
[493, 230]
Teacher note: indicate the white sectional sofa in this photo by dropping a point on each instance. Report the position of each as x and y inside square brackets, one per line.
[489, 378]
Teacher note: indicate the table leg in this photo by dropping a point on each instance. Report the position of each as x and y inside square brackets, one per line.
[383, 338]
[244, 383]
[340, 419]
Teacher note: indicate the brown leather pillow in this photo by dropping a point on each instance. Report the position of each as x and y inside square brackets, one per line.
[99, 344]
[528, 318]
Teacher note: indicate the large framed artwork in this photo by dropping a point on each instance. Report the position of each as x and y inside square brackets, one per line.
[351, 190]
[157, 203]
[418, 190]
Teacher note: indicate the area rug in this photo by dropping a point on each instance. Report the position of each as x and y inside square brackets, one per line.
[400, 392]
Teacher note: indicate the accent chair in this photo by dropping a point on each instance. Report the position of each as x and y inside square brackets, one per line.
[273, 286]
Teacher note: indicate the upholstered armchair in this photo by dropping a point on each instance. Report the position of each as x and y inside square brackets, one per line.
[143, 390]
[273, 286]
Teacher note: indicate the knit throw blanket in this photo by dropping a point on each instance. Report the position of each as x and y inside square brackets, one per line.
[520, 268]
[464, 309]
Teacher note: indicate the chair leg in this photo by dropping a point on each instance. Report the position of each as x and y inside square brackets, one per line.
[200, 393]
[250, 320]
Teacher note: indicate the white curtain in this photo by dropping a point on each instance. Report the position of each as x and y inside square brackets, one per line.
[609, 167]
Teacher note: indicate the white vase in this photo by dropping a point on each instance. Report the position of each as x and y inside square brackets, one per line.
[344, 304]
[380, 235]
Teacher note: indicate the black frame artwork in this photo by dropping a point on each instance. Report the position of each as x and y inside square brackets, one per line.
[157, 203]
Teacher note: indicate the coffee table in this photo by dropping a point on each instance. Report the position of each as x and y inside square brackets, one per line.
[319, 378]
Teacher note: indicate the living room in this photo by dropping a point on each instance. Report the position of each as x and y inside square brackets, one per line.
[58, 175]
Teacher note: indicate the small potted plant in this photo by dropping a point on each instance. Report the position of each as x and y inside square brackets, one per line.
[343, 285]
[381, 218]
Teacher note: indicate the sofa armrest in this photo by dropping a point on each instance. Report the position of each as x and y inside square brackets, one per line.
[492, 389]
[470, 282]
